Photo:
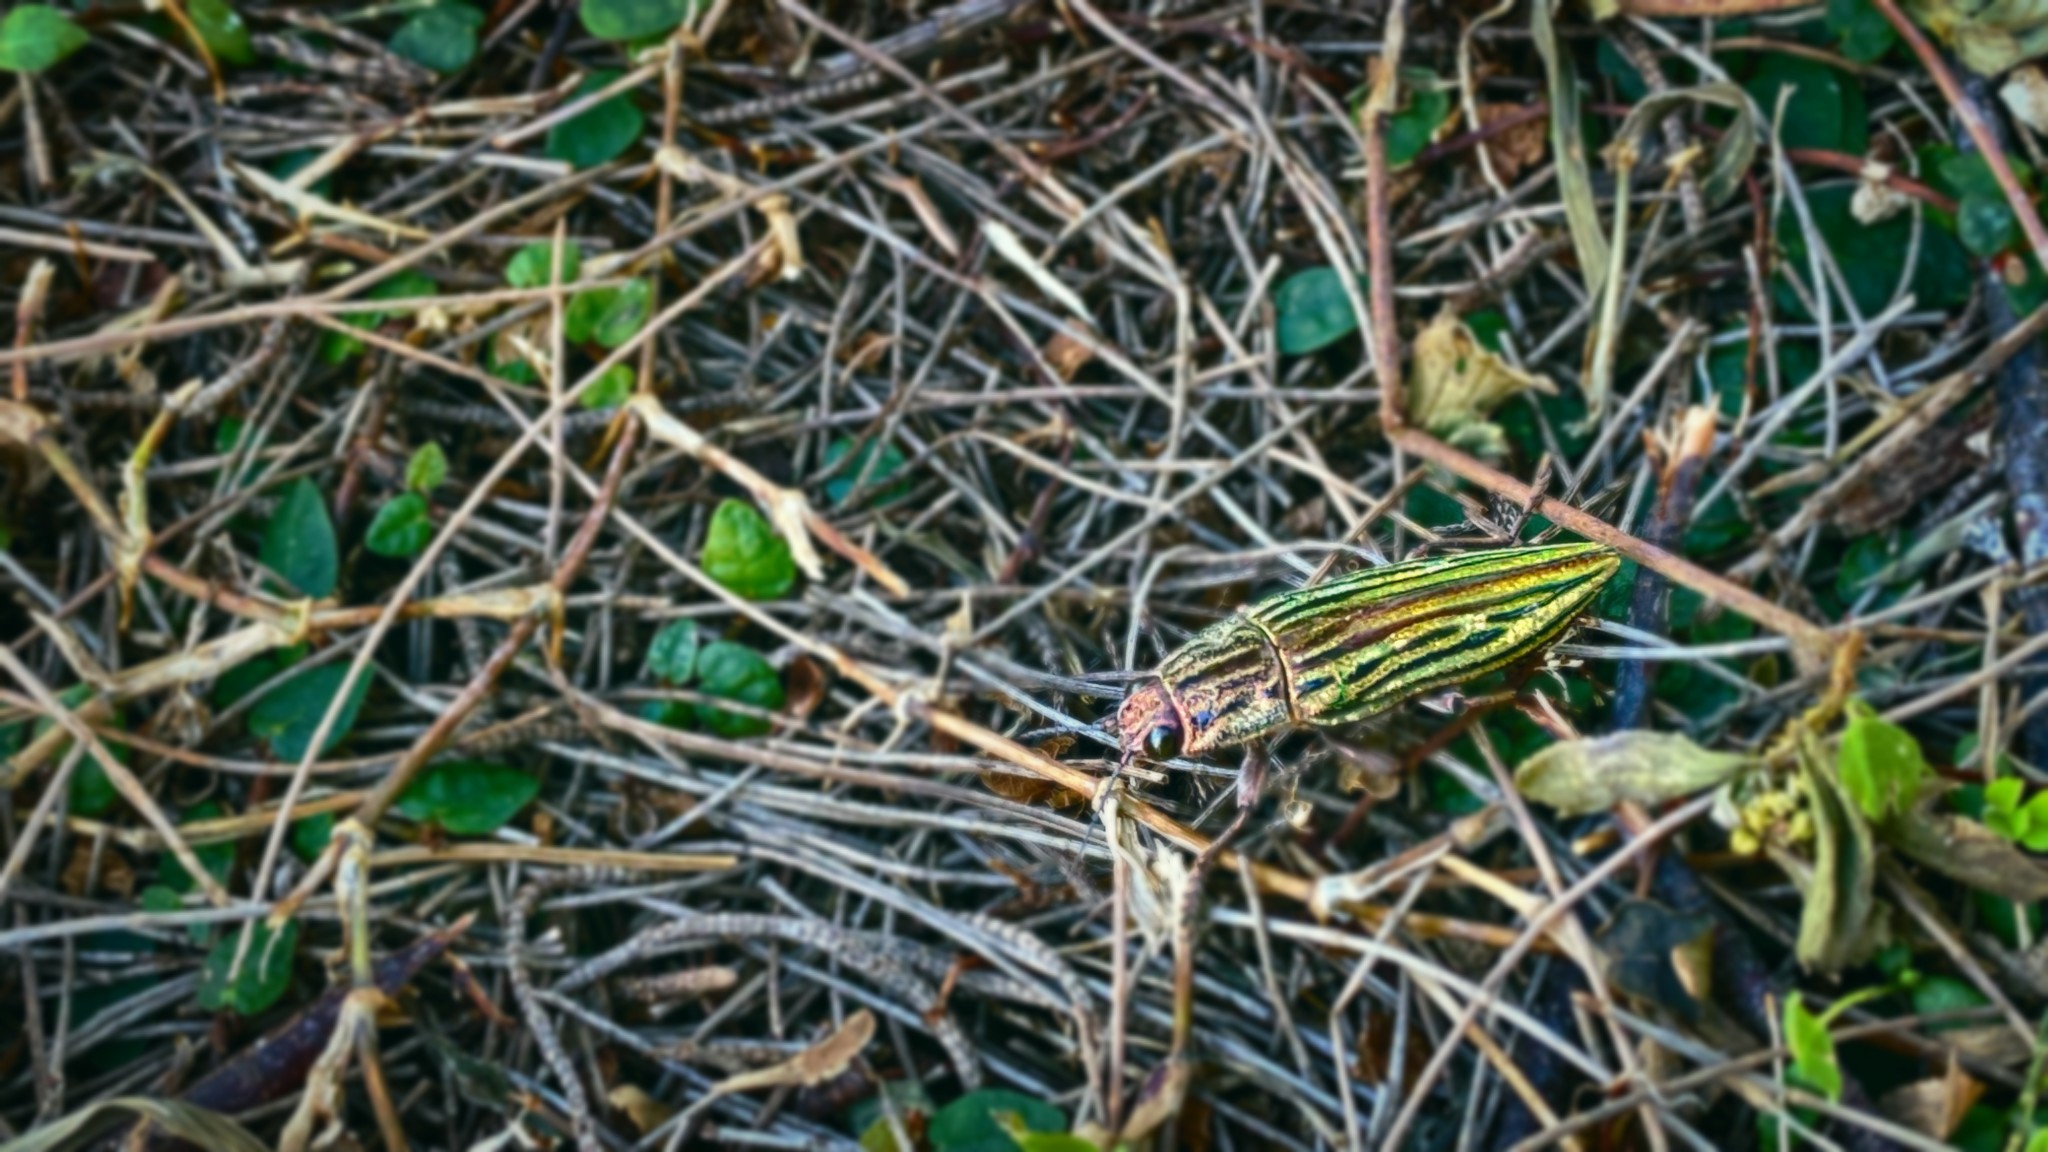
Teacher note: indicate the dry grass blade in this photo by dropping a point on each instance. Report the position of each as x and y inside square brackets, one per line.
[82, 1128]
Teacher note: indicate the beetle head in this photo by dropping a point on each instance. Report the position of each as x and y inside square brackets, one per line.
[1149, 725]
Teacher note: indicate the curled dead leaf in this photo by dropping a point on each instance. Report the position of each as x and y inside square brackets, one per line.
[1456, 383]
[2025, 92]
[803, 684]
[643, 1110]
[821, 1061]
[1019, 788]
[814, 1065]
[1578, 777]
[1934, 1106]
[1159, 1100]
[1835, 917]
[1966, 851]
[1517, 148]
[1067, 355]
[114, 873]
[1990, 36]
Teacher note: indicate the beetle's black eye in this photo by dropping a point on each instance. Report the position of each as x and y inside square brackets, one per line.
[1163, 742]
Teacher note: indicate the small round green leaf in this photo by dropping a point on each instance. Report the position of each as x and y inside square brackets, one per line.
[1938, 995]
[1812, 1048]
[468, 797]
[531, 266]
[609, 316]
[222, 29]
[1862, 31]
[442, 38]
[401, 527]
[599, 134]
[513, 369]
[36, 36]
[970, 1124]
[736, 672]
[298, 543]
[1825, 109]
[287, 717]
[1984, 223]
[611, 390]
[1312, 310]
[427, 468]
[92, 790]
[1963, 174]
[336, 348]
[668, 713]
[633, 19]
[266, 970]
[217, 859]
[744, 552]
[672, 658]
[159, 898]
[842, 484]
[227, 434]
[1880, 765]
[310, 836]
[1425, 104]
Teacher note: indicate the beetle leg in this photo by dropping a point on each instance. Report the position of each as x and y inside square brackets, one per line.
[1251, 783]
[1250, 780]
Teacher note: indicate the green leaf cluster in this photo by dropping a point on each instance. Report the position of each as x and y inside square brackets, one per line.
[1425, 105]
[1872, 257]
[336, 348]
[672, 658]
[2020, 820]
[736, 672]
[721, 669]
[607, 316]
[218, 859]
[611, 389]
[402, 526]
[1984, 219]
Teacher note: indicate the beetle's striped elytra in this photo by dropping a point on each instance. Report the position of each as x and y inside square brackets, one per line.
[1360, 644]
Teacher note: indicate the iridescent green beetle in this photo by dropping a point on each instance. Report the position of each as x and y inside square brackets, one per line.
[1360, 644]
